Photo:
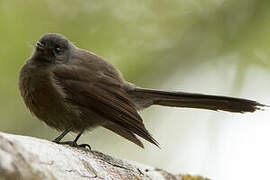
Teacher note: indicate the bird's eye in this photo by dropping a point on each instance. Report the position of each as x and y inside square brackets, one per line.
[57, 50]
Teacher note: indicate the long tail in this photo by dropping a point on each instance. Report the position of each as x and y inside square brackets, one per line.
[146, 97]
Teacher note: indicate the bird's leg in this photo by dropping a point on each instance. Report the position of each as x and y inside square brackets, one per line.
[71, 143]
[59, 138]
[81, 145]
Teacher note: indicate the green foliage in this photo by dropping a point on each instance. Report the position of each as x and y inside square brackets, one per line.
[147, 40]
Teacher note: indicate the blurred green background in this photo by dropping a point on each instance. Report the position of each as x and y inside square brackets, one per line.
[211, 46]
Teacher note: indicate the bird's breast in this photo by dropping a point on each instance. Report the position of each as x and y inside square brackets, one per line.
[44, 97]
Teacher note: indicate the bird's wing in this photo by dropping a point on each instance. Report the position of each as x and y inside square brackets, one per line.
[103, 95]
[124, 133]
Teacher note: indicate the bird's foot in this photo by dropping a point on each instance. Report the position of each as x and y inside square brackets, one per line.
[74, 144]
[85, 146]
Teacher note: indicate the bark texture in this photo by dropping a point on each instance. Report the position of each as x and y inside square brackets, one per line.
[23, 157]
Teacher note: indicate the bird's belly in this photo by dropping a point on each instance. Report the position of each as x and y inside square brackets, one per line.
[46, 100]
[46, 104]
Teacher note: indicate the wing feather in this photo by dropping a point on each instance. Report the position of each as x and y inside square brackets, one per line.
[104, 96]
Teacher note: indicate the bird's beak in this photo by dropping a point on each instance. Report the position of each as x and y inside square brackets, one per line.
[40, 46]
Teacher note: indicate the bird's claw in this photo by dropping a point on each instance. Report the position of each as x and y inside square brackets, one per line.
[85, 146]
[74, 144]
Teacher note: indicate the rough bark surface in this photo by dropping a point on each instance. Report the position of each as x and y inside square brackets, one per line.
[23, 157]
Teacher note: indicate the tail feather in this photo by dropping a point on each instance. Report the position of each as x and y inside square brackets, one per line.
[147, 97]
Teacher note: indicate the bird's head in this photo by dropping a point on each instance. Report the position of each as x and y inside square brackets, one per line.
[53, 49]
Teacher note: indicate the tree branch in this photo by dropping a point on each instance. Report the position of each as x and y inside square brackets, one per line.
[23, 157]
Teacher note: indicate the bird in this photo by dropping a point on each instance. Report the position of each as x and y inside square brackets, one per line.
[75, 90]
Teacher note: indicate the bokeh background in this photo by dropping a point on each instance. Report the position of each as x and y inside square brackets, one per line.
[213, 46]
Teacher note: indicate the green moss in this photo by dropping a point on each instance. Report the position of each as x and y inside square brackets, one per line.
[191, 177]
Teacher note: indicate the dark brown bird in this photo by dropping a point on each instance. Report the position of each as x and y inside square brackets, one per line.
[72, 89]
